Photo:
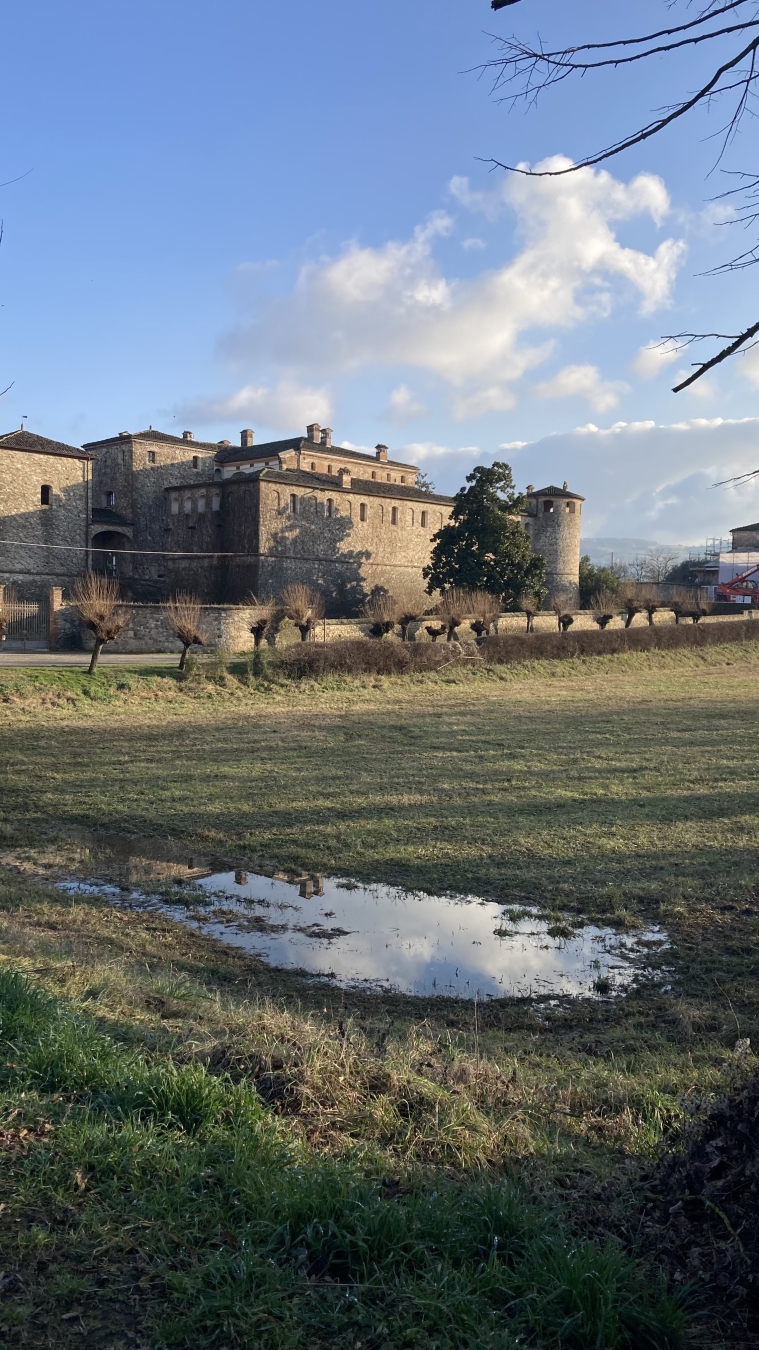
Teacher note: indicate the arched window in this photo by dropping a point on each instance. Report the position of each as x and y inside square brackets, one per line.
[46, 495]
[362, 511]
[329, 468]
[313, 467]
[412, 515]
[393, 515]
[403, 477]
[196, 461]
[423, 520]
[570, 508]
[187, 505]
[374, 473]
[547, 504]
[175, 506]
[389, 479]
[215, 502]
[329, 509]
[201, 503]
[293, 504]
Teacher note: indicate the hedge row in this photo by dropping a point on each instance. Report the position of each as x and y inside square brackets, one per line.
[366, 657]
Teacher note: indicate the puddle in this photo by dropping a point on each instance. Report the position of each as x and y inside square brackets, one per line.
[381, 936]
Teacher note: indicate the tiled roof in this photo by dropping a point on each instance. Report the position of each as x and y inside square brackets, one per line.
[40, 445]
[365, 487]
[739, 528]
[554, 491]
[151, 435]
[103, 515]
[243, 454]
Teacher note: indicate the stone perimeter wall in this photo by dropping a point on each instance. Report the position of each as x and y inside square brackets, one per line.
[228, 626]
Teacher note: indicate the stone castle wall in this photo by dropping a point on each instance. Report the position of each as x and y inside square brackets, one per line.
[29, 569]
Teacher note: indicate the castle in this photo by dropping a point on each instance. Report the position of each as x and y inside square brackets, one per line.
[165, 513]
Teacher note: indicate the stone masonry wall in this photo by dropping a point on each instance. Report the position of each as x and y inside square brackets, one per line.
[32, 570]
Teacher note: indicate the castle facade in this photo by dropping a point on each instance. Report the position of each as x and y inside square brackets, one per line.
[163, 513]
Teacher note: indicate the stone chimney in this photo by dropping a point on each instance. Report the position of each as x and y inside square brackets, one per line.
[530, 487]
[246, 438]
[312, 432]
[344, 477]
[381, 453]
[326, 434]
[566, 485]
[187, 436]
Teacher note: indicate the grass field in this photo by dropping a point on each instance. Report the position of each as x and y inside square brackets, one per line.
[620, 789]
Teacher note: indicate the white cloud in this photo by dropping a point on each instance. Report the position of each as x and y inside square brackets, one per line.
[393, 306]
[583, 382]
[748, 365]
[636, 474]
[652, 359]
[281, 407]
[469, 244]
[403, 405]
[418, 451]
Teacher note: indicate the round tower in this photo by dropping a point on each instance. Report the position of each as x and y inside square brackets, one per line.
[553, 520]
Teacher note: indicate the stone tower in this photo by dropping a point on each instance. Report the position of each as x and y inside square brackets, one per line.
[553, 520]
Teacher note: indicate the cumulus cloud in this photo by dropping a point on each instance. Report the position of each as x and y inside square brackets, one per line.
[419, 451]
[583, 382]
[280, 406]
[403, 406]
[393, 306]
[652, 359]
[644, 480]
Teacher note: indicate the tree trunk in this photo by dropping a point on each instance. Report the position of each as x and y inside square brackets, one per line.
[629, 620]
[97, 649]
[183, 657]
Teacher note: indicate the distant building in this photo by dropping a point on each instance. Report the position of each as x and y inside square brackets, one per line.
[163, 513]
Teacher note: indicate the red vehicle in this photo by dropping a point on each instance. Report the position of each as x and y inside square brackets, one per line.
[742, 590]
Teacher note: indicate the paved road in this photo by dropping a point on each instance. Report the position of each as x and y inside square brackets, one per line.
[14, 659]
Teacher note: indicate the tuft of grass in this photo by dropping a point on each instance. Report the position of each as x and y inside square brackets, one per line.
[189, 1185]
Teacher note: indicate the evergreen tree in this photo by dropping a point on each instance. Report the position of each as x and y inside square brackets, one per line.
[484, 547]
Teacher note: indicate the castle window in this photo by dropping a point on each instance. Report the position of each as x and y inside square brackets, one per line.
[403, 477]
[201, 503]
[329, 468]
[196, 462]
[570, 508]
[110, 498]
[313, 467]
[215, 502]
[293, 504]
[423, 520]
[187, 505]
[151, 456]
[393, 515]
[46, 495]
[548, 504]
[329, 509]
[362, 511]
[374, 473]
[175, 506]
[389, 479]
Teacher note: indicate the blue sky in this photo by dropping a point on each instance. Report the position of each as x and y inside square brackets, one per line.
[256, 215]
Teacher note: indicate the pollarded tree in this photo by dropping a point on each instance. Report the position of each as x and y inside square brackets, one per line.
[304, 606]
[484, 547]
[97, 601]
[184, 615]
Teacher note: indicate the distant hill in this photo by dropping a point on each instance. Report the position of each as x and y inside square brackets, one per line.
[600, 550]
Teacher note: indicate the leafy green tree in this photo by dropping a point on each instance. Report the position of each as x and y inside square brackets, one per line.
[596, 581]
[484, 547]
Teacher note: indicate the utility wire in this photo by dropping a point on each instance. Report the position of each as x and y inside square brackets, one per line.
[161, 553]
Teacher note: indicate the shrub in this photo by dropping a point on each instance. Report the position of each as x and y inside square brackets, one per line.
[585, 642]
[355, 656]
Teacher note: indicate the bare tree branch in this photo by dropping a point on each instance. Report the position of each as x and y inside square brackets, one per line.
[722, 355]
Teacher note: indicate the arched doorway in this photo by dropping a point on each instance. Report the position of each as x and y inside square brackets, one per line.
[108, 553]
